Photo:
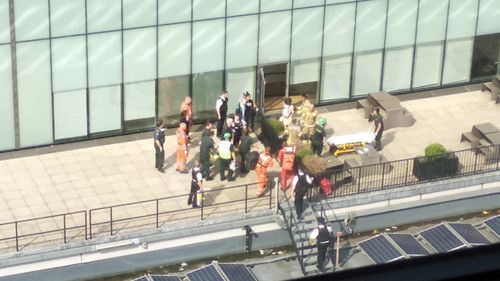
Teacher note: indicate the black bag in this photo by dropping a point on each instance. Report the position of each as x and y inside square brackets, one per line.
[251, 160]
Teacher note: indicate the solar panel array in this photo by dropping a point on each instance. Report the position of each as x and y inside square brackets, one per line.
[207, 273]
[380, 250]
[442, 239]
[236, 272]
[408, 244]
[158, 277]
[494, 225]
[469, 233]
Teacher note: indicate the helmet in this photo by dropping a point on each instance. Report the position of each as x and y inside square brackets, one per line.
[227, 136]
[322, 121]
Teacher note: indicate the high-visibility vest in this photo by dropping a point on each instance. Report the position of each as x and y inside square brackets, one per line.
[288, 160]
[225, 149]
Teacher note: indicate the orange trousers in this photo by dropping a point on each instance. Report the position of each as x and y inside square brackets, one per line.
[262, 178]
[181, 158]
[285, 174]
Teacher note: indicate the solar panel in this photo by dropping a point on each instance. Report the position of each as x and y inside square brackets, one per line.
[157, 277]
[380, 250]
[469, 233]
[142, 278]
[494, 225]
[207, 273]
[408, 244]
[237, 272]
[442, 239]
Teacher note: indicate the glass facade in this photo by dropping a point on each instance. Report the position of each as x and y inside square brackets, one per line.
[83, 68]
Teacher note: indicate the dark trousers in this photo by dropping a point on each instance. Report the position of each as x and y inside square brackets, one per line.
[249, 120]
[205, 165]
[192, 199]
[378, 143]
[243, 168]
[224, 165]
[159, 157]
[220, 124]
[299, 202]
[322, 249]
[317, 147]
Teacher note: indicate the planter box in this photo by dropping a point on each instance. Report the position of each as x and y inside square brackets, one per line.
[425, 168]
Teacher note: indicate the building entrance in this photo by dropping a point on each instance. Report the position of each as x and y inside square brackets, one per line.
[273, 85]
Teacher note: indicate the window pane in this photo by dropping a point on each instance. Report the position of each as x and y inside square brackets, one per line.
[140, 100]
[207, 9]
[35, 99]
[70, 114]
[367, 72]
[370, 25]
[432, 21]
[274, 42]
[307, 33]
[462, 19]
[241, 49]
[7, 141]
[307, 3]
[174, 11]
[337, 1]
[457, 61]
[69, 63]
[103, 15]
[336, 77]
[242, 7]
[105, 109]
[401, 23]
[174, 50]
[206, 88]
[139, 59]
[105, 61]
[428, 58]
[275, 5]
[397, 68]
[339, 29]
[138, 13]
[4, 21]
[486, 56]
[32, 19]
[489, 13]
[171, 93]
[239, 81]
[208, 45]
[67, 17]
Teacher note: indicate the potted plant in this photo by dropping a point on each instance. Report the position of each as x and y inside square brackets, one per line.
[271, 131]
[437, 163]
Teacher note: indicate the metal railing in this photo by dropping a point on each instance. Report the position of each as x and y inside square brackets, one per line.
[63, 227]
[387, 175]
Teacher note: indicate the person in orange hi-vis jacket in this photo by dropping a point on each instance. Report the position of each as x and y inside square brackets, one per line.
[265, 161]
[182, 150]
[286, 158]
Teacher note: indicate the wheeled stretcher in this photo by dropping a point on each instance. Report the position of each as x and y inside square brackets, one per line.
[348, 143]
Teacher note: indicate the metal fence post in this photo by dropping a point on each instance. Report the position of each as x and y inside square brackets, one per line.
[497, 148]
[157, 211]
[90, 224]
[17, 237]
[111, 220]
[246, 198]
[64, 226]
[475, 162]
[406, 174]
[276, 198]
[86, 225]
[202, 204]
[359, 179]
[383, 175]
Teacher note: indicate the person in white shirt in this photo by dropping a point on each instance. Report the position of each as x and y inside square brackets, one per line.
[322, 234]
[300, 184]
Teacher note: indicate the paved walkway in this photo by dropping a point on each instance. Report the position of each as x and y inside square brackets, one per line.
[100, 176]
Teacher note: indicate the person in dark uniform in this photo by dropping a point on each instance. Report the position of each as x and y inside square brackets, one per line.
[319, 135]
[324, 239]
[196, 185]
[221, 108]
[159, 140]
[300, 185]
[237, 130]
[206, 148]
[379, 127]
[249, 111]
[207, 131]
[244, 149]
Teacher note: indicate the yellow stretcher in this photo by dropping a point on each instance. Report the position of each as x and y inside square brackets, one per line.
[348, 143]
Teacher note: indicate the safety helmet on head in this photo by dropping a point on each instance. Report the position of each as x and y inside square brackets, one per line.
[322, 121]
[227, 136]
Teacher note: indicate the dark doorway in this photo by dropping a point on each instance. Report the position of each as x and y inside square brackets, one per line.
[273, 84]
[486, 56]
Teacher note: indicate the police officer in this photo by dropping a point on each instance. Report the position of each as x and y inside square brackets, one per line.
[300, 185]
[226, 155]
[249, 111]
[206, 148]
[196, 185]
[319, 135]
[244, 148]
[221, 108]
[324, 239]
[207, 131]
[159, 140]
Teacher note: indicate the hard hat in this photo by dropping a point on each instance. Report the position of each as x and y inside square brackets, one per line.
[322, 121]
[227, 135]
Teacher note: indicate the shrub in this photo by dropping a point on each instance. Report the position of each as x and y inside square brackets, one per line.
[303, 152]
[435, 150]
[276, 126]
[314, 164]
